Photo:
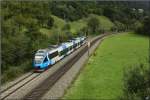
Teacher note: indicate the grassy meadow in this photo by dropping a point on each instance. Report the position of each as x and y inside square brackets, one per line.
[102, 77]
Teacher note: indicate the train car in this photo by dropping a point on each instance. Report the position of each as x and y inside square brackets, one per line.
[74, 42]
[71, 49]
[69, 46]
[83, 38]
[39, 59]
[77, 42]
[62, 50]
[45, 57]
[53, 56]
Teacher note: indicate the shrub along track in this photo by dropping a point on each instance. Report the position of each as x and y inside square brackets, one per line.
[44, 86]
[17, 85]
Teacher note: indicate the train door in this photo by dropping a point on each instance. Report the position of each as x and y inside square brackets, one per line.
[45, 62]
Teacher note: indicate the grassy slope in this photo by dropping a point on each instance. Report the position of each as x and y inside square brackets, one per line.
[58, 22]
[76, 25]
[102, 76]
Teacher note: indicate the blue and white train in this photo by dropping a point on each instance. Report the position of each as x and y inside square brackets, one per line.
[49, 56]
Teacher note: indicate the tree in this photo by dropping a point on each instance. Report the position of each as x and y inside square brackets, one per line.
[66, 30]
[93, 25]
[66, 27]
[50, 22]
[14, 49]
[137, 83]
[144, 29]
[146, 26]
[84, 31]
[118, 26]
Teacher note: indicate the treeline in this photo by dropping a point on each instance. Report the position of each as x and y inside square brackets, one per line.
[144, 28]
[126, 16]
[121, 13]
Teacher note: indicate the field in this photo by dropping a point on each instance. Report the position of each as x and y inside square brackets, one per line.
[102, 76]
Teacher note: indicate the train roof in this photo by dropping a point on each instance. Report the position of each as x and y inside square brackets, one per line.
[61, 47]
[50, 49]
[53, 48]
[68, 43]
[41, 52]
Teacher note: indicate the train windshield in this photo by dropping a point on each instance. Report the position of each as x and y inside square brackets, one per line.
[38, 59]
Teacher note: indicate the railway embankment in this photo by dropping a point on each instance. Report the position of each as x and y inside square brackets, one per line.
[59, 88]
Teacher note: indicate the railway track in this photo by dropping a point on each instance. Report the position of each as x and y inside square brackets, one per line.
[17, 85]
[44, 86]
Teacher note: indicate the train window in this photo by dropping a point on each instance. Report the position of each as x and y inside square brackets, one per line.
[75, 45]
[66, 50]
[54, 54]
[62, 52]
[38, 61]
[45, 60]
[40, 51]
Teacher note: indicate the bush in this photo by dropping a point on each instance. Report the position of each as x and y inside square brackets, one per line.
[144, 29]
[118, 27]
[137, 83]
[12, 73]
[93, 25]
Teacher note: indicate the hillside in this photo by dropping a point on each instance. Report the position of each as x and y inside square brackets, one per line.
[76, 26]
[105, 22]
[58, 24]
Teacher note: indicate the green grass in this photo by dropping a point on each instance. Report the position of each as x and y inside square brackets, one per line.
[102, 77]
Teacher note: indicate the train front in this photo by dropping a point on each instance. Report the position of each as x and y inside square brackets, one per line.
[38, 61]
